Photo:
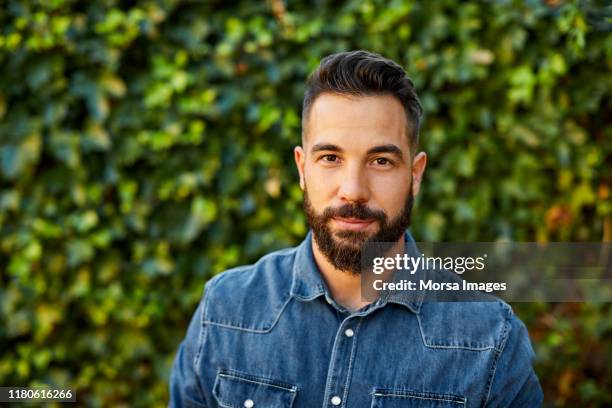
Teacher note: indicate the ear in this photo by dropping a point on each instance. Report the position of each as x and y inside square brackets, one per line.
[418, 168]
[299, 156]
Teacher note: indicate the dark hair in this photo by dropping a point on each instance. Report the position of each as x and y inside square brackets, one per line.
[363, 73]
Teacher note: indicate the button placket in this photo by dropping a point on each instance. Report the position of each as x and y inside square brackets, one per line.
[341, 364]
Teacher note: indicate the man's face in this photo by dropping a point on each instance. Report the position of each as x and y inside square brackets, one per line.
[357, 174]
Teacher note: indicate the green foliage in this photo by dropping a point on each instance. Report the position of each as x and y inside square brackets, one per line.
[147, 145]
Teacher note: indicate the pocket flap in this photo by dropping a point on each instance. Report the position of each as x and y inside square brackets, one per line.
[239, 391]
[411, 399]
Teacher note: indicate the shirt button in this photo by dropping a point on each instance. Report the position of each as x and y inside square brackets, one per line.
[349, 333]
[249, 403]
[336, 400]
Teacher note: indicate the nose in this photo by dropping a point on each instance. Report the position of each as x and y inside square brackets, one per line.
[354, 186]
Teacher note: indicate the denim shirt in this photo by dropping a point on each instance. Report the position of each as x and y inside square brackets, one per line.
[271, 335]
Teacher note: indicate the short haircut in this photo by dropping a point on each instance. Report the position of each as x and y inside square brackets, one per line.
[363, 73]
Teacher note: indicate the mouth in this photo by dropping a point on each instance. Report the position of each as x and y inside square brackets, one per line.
[352, 224]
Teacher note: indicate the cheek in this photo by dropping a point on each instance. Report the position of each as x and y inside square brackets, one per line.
[320, 187]
[391, 192]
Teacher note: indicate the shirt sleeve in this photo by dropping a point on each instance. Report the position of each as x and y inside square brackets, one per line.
[185, 388]
[514, 382]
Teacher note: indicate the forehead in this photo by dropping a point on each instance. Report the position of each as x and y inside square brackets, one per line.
[357, 120]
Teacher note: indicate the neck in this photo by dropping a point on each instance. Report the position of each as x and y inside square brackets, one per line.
[345, 287]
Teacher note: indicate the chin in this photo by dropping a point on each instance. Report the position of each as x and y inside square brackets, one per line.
[352, 238]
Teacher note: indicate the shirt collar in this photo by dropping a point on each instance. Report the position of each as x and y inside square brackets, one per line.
[308, 284]
[412, 300]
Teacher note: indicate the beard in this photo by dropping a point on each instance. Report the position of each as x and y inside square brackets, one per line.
[344, 248]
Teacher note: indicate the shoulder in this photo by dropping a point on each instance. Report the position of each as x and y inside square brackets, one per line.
[471, 325]
[250, 297]
[271, 273]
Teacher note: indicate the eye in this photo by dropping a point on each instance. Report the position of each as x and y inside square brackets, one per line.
[329, 158]
[382, 161]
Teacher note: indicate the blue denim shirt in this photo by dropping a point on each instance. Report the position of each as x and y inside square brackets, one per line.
[270, 335]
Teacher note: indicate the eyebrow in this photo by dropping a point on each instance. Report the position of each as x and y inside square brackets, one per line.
[388, 148]
[325, 147]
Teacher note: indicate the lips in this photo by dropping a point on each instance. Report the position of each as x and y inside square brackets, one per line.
[352, 224]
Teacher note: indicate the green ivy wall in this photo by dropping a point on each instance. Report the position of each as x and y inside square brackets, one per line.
[147, 145]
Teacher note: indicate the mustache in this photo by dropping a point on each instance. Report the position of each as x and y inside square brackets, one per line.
[359, 211]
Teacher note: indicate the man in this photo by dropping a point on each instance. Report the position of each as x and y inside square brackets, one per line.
[293, 330]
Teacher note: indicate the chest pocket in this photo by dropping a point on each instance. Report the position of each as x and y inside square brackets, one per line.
[244, 391]
[410, 399]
